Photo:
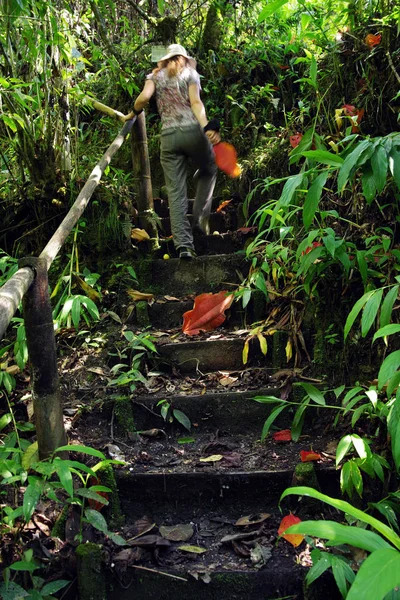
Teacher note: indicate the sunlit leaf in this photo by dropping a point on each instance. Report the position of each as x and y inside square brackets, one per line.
[388, 368]
[313, 197]
[288, 521]
[378, 575]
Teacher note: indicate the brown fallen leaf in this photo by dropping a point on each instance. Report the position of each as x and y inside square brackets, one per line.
[177, 533]
[212, 458]
[139, 235]
[252, 519]
[139, 296]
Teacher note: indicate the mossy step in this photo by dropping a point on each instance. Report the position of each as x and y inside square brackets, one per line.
[202, 274]
[218, 243]
[281, 579]
[232, 412]
[212, 354]
[189, 495]
[167, 314]
[218, 222]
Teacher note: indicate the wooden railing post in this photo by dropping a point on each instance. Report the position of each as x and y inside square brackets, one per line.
[141, 165]
[43, 359]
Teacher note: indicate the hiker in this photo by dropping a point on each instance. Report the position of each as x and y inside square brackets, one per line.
[185, 133]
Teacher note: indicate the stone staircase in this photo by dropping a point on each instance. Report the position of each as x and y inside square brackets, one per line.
[167, 480]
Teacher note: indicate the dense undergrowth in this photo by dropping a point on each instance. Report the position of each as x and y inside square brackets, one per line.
[309, 96]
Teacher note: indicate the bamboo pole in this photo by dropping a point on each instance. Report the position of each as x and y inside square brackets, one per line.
[47, 403]
[52, 248]
[141, 164]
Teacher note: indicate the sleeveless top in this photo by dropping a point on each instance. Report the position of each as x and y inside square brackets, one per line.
[172, 97]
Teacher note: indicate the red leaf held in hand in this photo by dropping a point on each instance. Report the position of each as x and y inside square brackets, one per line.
[223, 205]
[285, 435]
[226, 159]
[293, 538]
[309, 455]
[373, 40]
[295, 140]
[207, 314]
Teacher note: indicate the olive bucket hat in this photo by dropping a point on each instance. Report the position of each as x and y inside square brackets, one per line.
[178, 50]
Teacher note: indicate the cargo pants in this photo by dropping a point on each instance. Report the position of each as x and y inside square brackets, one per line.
[178, 145]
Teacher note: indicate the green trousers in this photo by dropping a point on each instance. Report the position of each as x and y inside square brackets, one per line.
[178, 145]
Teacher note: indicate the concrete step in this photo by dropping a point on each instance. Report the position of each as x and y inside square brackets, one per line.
[202, 274]
[234, 412]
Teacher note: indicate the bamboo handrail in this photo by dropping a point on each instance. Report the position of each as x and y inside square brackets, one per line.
[12, 292]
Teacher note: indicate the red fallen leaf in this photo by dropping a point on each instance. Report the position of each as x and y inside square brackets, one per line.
[247, 229]
[373, 40]
[283, 67]
[285, 435]
[207, 314]
[293, 538]
[349, 110]
[309, 248]
[226, 159]
[295, 139]
[309, 455]
[223, 205]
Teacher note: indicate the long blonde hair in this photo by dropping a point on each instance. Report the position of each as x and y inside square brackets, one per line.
[173, 65]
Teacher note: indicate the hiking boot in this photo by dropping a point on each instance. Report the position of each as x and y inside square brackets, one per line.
[186, 253]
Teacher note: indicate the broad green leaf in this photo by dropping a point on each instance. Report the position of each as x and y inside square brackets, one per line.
[23, 565]
[312, 199]
[387, 330]
[362, 265]
[12, 591]
[338, 534]
[360, 446]
[370, 311]
[342, 573]
[76, 312]
[355, 312]
[53, 587]
[268, 400]
[97, 520]
[350, 163]
[313, 72]
[348, 508]
[267, 425]
[270, 9]
[5, 420]
[117, 539]
[10, 122]
[393, 383]
[31, 498]
[379, 163]
[182, 418]
[387, 306]
[368, 184]
[346, 480]
[319, 567]
[394, 165]
[393, 421]
[378, 575]
[82, 449]
[64, 473]
[314, 393]
[350, 394]
[356, 477]
[330, 244]
[246, 298]
[342, 448]
[290, 188]
[388, 368]
[298, 420]
[30, 456]
[91, 495]
[324, 157]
